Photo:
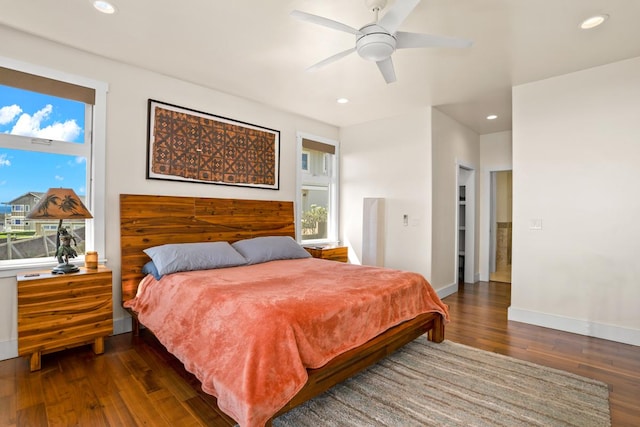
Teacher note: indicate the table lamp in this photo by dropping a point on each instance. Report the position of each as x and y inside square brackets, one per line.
[61, 203]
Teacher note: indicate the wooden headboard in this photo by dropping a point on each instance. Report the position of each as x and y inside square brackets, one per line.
[147, 221]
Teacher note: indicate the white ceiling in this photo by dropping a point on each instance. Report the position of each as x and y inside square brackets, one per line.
[254, 49]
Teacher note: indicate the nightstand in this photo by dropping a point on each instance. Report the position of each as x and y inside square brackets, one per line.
[58, 311]
[334, 253]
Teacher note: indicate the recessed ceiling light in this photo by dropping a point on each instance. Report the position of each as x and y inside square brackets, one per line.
[104, 7]
[342, 100]
[593, 21]
[492, 117]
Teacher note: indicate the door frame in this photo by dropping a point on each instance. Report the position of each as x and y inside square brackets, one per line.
[492, 221]
[487, 214]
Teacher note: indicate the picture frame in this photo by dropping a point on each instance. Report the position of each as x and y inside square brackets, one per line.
[193, 146]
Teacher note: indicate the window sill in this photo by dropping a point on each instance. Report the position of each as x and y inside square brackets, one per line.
[319, 242]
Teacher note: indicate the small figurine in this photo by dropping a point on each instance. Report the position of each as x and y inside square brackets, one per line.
[65, 251]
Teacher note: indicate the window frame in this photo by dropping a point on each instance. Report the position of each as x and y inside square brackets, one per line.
[333, 224]
[96, 159]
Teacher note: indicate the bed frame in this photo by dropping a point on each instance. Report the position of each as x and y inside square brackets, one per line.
[148, 220]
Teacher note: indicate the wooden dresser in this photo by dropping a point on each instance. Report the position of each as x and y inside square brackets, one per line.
[58, 311]
[334, 253]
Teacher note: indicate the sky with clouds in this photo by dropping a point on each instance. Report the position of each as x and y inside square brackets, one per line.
[35, 115]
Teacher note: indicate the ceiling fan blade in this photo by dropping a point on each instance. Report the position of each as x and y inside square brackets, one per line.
[325, 22]
[409, 40]
[392, 20]
[386, 68]
[331, 59]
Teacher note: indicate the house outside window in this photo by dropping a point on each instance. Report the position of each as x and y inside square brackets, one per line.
[317, 190]
[47, 139]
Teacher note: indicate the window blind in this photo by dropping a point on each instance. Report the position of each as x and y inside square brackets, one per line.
[318, 146]
[31, 82]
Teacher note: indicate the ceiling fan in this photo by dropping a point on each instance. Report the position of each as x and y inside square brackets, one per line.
[378, 40]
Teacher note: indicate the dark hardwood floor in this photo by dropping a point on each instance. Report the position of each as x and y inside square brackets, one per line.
[136, 383]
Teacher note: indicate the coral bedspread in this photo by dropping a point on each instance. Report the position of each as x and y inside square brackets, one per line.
[249, 333]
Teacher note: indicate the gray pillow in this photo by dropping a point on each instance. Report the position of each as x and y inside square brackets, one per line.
[270, 248]
[174, 257]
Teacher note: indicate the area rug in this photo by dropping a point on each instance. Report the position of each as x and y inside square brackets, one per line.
[449, 384]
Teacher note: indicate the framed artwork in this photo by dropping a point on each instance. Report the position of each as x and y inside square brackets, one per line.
[189, 145]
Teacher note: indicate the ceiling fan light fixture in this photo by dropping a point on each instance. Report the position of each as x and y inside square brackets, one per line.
[375, 51]
[593, 21]
[376, 46]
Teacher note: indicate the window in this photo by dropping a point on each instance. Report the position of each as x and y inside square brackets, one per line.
[48, 139]
[318, 190]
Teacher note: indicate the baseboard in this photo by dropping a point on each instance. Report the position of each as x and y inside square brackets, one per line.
[576, 326]
[447, 290]
[122, 325]
[8, 349]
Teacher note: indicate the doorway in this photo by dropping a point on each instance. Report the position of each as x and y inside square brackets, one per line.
[501, 226]
[465, 225]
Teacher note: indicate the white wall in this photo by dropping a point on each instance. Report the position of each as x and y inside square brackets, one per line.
[453, 145]
[390, 159]
[495, 155]
[129, 90]
[576, 149]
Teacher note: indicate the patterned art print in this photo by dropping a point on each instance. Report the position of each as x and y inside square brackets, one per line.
[188, 145]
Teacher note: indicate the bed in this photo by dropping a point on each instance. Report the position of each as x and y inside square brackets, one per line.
[151, 221]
